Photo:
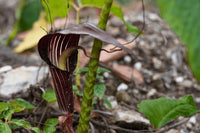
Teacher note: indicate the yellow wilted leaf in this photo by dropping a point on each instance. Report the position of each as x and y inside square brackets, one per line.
[34, 35]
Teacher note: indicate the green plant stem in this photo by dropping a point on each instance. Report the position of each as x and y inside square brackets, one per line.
[91, 75]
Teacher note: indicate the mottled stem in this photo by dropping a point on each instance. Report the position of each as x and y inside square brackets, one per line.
[91, 75]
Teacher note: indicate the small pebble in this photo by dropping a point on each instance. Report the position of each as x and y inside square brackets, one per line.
[187, 83]
[127, 59]
[192, 120]
[151, 92]
[122, 86]
[106, 74]
[154, 17]
[197, 99]
[138, 66]
[179, 79]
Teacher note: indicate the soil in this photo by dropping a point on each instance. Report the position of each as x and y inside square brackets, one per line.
[160, 57]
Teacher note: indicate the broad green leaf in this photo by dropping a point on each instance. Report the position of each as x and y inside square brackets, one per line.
[30, 13]
[50, 96]
[183, 17]
[34, 35]
[3, 106]
[115, 10]
[16, 106]
[23, 123]
[8, 113]
[4, 128]
[76, 90]
[13, 126]
[52, 121]
[35, 129]
[57, 8]
[99, 90]
[19, 105]
[50, 125]
[24, 103]
[161, 111]
[107, 102]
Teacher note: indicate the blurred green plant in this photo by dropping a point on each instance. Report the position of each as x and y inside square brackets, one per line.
[183, 17]
[7, 109]
[27, 13]
[161, 111]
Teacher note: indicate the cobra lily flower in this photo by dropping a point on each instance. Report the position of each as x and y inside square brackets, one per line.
[59, 51]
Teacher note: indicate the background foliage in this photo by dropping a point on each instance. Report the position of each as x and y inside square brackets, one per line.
[183, 17]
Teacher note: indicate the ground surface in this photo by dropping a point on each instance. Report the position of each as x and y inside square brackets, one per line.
[161, 70]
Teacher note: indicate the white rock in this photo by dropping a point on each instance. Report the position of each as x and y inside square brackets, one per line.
[138, 65]
[179, 79]
[151, 92]
[127, 59]
[106, 74]
[192, 120]
[182, 131]
[197, 99]
[122, 86]
[20, 79]
[154, 17]
[5, 69]
[129, 116]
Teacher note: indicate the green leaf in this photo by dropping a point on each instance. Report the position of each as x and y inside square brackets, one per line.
[35, 129]
[107, 102]
[13, 126]
[82, 70]
[183, 17]
[16, 106]
[85, 70]
[30, 13]
[102, 70]
[8, 113]
[23, 123]
[4, 128]
[131, 28]
[76, 90]
[3, 106]
[163, 110]
[115, 10]
[99, 90]
[49, 96]
[58, 8]
[50, 125]
[24, 103]
[99, 77]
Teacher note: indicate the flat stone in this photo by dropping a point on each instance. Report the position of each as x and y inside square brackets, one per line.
[129, 116]
[127, 59]
[20, 79]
